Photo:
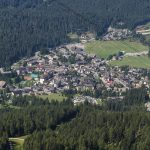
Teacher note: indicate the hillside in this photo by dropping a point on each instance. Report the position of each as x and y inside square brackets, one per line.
[121, 125]
[27, 26]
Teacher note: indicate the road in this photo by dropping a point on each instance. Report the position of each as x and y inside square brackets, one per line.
[121, 82]
[137, 53]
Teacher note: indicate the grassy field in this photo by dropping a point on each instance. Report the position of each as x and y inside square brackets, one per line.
[17, 142]
[24, 84]
[137, 62]
[106, 48]
[73, 37]
[53, 96]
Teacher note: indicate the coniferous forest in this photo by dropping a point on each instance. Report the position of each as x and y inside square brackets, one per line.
[28, 25]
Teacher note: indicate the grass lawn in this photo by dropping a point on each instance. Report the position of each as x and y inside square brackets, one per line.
[106, 48]
[53, 96]
[26, 83]
[73, 37]
[17, 142]
[137, 62]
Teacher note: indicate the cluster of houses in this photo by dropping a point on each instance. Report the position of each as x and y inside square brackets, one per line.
[87, 37]
[121, 80]
[65, 67]
[70, 67]
[116, 34]
[144, 30]
[82, 99]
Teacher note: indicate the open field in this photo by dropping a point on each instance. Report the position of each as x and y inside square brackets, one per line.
[17, 143]
[53, 96]
[73, 37]
[137, 62]
[106, 48]
[26, 83]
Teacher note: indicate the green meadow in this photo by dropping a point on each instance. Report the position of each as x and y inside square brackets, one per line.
[106, 48]
[53, 96]
[137, 62]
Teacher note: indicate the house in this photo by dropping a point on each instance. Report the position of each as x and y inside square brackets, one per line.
[33, 75]
[27, 90]
[27, 78]
[42, 80]
[17, 92]
[2, 84]
[32, 62]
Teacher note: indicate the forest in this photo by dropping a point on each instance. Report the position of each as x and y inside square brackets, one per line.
[115, 125]
[30, 25]
[96, 130]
